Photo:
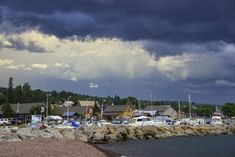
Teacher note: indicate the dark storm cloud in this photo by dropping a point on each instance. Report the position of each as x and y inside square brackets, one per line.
[181, 20]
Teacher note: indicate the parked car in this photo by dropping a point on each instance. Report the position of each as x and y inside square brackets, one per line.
[5, 121]
[15, 121]
[119, 121]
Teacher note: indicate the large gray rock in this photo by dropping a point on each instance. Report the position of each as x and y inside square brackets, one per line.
[68, 133]
[89, 132]
[26, 133]
[9, 137]
[98, 137]
[80, 135]
[139, 133]
[131, 136]
[111, 138]
[189, 132]
[43, 134]
[54, 132]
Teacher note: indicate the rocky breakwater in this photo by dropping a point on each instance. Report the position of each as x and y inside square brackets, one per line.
[111, 134]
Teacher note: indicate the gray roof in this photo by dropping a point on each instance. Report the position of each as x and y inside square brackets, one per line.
[77, 109]
[159, 108]
[22, 108]
[116, 108]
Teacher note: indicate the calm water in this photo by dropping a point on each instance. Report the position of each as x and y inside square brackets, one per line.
[207, 146]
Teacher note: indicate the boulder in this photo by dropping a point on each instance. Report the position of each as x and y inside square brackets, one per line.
[139, 134]
[80, 135]
[119, 136]
[189, 132]
[160, 136]
[68, 133]
[131, 136]
[122, 130]
[111, 138]
[111, 129]
[42, 134]
[26, 133]
[89, 133]
[9, 137]
[98, 137]
[149, 130]
[130, 131]
[54, 132]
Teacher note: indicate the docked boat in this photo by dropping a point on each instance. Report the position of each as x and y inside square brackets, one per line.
[143, 121]
[216, 119]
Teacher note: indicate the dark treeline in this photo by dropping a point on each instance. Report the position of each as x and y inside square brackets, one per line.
[24, 94]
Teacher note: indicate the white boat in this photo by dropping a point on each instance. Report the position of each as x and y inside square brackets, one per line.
[216, 119]
[143, 121]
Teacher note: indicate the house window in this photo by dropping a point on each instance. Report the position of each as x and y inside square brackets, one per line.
[21, 117]
[28, 117]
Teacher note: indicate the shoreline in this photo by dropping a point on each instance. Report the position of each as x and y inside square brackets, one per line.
[88, 139]
[107, 152]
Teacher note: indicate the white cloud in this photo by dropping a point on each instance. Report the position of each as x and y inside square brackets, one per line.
[225, 83]
[194, 66]
[39, 66]
[74, 59]
[62, 65]
[12, 67]
[92, 85]
[6, 62]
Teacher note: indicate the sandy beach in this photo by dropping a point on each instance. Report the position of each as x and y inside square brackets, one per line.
[50, 148]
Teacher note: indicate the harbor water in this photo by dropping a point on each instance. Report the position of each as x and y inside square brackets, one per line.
[202, 146]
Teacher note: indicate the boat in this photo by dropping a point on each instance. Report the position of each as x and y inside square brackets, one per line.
[143, 121]
[216, 119]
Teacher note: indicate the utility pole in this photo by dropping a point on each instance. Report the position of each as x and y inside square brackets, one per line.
[179, 112]
[189, 106]
[68, 109]
[102, 109]
[151, 103]
[47, 105]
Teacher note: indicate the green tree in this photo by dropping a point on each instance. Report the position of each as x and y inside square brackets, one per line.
[229, 109]
[2, 98]
[10, 91]
[205, 111]
[26, 93]
[18, 94]
[7, 110]
[132, 101]
[96, 110]
[35, 110]
[117, 100]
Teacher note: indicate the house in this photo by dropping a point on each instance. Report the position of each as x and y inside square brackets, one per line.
[22, 111]
[114, 111]
[70, 115]
[88, 103]
[162, 110]
[75, 112]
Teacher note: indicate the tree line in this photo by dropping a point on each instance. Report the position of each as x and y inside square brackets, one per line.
[24, 94]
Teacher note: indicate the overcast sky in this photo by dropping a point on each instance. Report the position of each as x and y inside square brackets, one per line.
[124, 47]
